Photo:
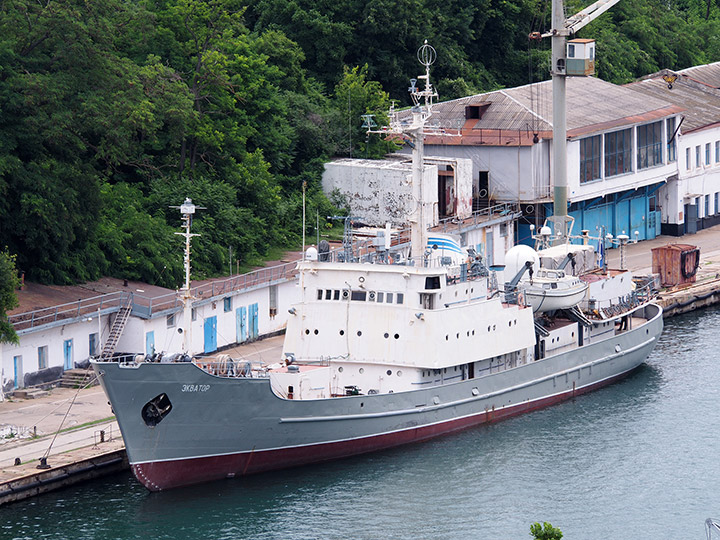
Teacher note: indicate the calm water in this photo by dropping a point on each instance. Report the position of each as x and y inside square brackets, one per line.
[638, 460]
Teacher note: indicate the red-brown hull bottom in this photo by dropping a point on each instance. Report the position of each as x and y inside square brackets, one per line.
[161, 475]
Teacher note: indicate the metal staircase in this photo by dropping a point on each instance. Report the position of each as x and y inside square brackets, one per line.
[116, 331]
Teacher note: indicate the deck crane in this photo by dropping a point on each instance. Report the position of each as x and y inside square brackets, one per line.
[561, 28]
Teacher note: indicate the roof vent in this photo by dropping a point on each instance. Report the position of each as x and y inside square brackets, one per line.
[475, 112]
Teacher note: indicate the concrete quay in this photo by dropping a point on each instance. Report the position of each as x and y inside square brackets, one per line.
[684, 298]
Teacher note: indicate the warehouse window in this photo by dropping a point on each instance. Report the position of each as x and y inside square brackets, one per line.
[671, 140]
[590, 158]
[618, 156]
[649, 151]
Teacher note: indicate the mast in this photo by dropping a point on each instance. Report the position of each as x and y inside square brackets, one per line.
[187, 210]
[414, 134]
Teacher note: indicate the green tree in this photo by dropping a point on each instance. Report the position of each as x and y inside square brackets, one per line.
[9, 283]
[356, 96]
[545, 532]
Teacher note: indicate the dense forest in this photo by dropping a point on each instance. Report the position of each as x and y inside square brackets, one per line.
[113, 111]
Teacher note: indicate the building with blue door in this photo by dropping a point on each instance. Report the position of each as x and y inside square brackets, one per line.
[622, 150]
[224, 312]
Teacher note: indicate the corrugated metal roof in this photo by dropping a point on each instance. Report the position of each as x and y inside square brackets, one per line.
[695, 91]
[592, 105]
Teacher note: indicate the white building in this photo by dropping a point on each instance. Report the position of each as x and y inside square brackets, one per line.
[60, 337]
[690, 198]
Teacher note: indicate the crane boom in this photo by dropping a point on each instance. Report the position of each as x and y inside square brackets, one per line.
[584, 17]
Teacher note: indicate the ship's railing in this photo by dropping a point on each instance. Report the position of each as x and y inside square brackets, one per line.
[145, 306]
[231, 368]
[74, 310]
[479, 216]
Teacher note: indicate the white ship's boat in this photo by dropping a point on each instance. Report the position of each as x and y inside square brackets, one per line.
[375, 355]
[550, 290]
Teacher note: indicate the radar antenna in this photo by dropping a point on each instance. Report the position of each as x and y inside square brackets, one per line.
[411, 129]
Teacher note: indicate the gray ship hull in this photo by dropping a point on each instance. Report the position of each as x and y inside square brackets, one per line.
[224, 427]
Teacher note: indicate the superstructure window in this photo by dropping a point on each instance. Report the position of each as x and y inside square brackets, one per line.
[400, 298]
[319, 294]
[590, 158]
[687, 159]
[358, 296]
[618, 152]
[432, 282]
[389, 298]
[649, 141]
[707, 153]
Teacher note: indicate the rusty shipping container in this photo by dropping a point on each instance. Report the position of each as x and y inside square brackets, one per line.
[677, 264]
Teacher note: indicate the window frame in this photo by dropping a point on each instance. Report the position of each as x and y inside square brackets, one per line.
[590, 167]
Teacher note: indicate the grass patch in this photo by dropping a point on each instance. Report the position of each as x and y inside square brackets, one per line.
[88, 424]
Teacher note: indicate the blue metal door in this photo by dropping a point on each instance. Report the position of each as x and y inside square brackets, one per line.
[253, 327]
[622, 218]
[17, 369]
[67, 354]
[241, 324]
[210, 334]
[638, 218]
[150, 342]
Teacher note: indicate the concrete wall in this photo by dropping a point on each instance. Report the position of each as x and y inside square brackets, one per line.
[378, 191]
[513, 171]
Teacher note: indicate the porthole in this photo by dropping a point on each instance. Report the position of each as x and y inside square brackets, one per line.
[342, 332]
[340, 369]
[386, 335]
[359, 333]
[473, 332]
[397, 336]
[389, 372]
[316, 332]
[446, 337]
[488, 328]
[457, 336]
[509, 323]
[493, 327]
[361, 370]
[468, 333]
[362, 404]
[307, 331]
[399, 373]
